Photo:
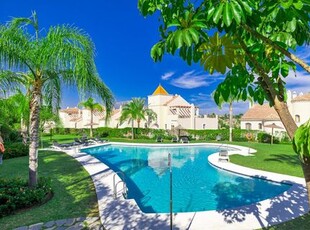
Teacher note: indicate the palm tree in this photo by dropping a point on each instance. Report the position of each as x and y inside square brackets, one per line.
[133, 111]
[92, 106]
[151, 116]
[65, 55]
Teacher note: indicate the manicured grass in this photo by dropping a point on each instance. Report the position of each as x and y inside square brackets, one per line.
[279, 158]
[74, 192]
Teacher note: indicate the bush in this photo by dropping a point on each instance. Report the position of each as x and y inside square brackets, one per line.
[15, 195]
[17, 149]
[266, 138]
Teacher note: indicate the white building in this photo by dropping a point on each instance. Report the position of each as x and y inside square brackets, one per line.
[171, 110]
[174, 110]
[260, 116]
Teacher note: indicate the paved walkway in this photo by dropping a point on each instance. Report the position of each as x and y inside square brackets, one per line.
[67, 224]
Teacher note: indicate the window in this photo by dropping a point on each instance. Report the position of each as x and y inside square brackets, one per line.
[297, 118]
[204, 126]
[166, 126]
[260, 126]
[248, 126]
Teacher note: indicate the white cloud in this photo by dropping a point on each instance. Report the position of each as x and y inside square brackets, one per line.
[206, 105]
[299, 82]
[191, 80]
[304, 53]
[166, 76]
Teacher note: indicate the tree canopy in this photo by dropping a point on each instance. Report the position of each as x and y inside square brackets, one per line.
[43, 61]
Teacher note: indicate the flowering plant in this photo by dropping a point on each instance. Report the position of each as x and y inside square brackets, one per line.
[2, 149]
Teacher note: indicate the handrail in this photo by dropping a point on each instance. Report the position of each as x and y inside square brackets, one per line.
[122, 177]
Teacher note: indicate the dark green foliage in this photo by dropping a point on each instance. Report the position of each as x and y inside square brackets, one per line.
[15, 194]
[266, 138]
[9, 134]
[210, 135]
[16, 149]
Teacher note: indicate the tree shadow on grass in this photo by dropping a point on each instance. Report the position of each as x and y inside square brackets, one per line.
[284, 158]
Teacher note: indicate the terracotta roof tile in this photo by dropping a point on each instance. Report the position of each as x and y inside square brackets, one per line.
[261, 112]
[305, 97]
[70, 110]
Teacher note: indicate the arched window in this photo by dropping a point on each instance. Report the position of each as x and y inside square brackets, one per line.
[297, 118]
[204, 126]
[248, 126]
[260, 126]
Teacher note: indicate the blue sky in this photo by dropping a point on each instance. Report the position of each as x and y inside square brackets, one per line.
[123, 39]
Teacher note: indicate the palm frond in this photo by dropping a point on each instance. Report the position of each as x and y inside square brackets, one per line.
[52, 91]
[9, 81]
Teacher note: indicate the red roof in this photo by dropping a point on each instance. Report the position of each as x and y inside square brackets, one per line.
[261, 112]
[305, 97]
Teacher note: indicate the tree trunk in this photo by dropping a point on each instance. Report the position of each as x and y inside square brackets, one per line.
[282, 110]
[34, 134]
[91, 123]
[132, 131]
[24, 131]
[230, 121]
[306, 171]
[266, 40]
[286, 117]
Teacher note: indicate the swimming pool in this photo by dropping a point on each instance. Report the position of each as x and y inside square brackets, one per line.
[197, 186]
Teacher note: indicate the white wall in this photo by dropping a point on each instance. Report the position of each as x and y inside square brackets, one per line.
[301, 108]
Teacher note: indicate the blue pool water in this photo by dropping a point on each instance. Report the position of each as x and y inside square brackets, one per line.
[197, 186]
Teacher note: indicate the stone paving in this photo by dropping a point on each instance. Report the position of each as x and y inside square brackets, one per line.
[67, 224]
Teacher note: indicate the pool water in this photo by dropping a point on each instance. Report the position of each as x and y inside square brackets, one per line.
[196, 185]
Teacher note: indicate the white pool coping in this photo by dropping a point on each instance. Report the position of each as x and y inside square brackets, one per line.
[125, 214]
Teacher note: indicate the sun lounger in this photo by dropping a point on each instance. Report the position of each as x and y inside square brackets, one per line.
[174, 139]
[184, 139]
[59, 146]
[223, 155]
[97, 140]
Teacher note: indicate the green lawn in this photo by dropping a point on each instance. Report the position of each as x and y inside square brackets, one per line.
[279, 158]
[74, 191]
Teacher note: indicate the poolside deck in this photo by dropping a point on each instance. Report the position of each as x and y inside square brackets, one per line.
[125, 214]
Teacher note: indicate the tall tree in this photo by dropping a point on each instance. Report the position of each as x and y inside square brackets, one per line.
[65, 55]
[151, 116]
[256, 37]
[133, 111]
[92, 106]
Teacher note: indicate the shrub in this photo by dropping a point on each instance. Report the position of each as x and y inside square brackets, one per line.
[16, 149]
[15, 194]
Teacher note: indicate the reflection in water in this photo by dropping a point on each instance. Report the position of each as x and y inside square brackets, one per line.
[197, 186]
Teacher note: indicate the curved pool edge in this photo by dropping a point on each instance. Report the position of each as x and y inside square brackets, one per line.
[125, 214]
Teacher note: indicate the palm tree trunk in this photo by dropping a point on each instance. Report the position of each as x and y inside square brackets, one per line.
[91, 123]
[34, 134]
[132, 130]
[230, 121]
[24, 131]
